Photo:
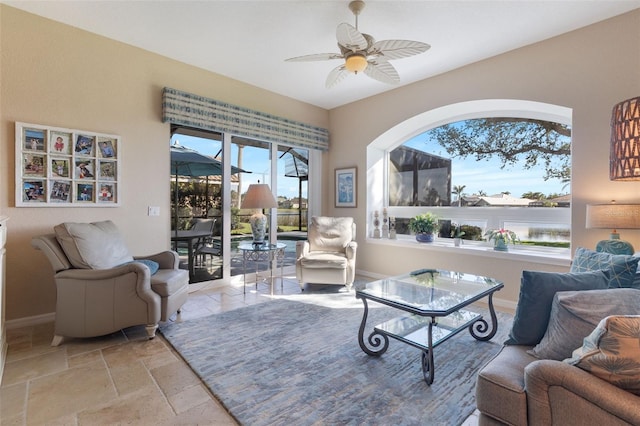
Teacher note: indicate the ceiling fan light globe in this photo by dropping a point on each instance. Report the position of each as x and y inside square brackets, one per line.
[356, 63]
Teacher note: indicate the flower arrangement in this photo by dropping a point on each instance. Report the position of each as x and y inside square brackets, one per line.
[502, 236]
[456, 231]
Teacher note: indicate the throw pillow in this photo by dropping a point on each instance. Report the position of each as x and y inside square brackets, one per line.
[611, 352]
[574, 314]
[536, 296]
[97, 245]
[152, 265]
[623, 268]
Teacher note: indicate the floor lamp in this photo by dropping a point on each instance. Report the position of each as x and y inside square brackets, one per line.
[614, 216]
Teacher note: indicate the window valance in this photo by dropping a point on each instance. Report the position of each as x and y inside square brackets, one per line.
[209, 114]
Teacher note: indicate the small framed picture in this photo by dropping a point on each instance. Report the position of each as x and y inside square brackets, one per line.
[107, 170]
[84, 145]
[84, 169]
[60, 191]
[34, 191]
[60, 143]
[106, 192]
[60, 168]
[84, 192]
[346, 187]
[34, 140]
[107, 147]
[33, 165]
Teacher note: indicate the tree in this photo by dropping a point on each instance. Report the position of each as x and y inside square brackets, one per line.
[457, 190]
[533, 195]
[511, 140]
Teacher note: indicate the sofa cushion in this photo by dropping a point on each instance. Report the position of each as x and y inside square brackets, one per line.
[169, 281]
[324, 260]
[574, 314]
[623, 267]
[96, 245]
[611, 352]
[536, 296]
[330, 233]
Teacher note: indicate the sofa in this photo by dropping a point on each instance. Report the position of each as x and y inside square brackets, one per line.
[566, 361]
[102, 288]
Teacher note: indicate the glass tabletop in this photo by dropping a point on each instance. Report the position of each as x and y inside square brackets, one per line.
[248, 246]
[432, 291]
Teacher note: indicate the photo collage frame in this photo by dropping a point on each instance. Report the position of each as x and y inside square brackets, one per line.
[59, 167]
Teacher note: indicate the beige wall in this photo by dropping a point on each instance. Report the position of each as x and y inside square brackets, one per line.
[56, 75]
[588, 70]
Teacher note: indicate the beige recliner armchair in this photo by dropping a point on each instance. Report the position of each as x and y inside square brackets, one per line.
[101, 288]
[329, 254]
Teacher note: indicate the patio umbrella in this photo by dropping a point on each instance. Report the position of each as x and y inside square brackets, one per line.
[189, 162]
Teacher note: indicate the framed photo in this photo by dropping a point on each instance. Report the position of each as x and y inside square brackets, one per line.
[60, 143]
[60, 191]
[33, 191]
[60, 167]
[346, 187]
[84, 192]
[33, 139]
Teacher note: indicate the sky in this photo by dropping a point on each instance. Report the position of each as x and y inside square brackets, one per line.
[488, 176]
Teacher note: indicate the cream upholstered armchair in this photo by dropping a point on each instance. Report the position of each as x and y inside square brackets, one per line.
[329, 254]
[101, 288]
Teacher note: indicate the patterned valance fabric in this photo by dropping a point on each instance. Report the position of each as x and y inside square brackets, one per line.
[203, 113]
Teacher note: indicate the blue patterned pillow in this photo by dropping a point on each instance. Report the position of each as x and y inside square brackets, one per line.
[611, 352]
[536, 297]
[152, 265]
[623, 268]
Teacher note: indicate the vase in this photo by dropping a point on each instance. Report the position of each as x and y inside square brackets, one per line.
[500, 245]
[424, 237]
[457, 241]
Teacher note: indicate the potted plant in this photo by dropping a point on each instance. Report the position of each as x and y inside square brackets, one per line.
[424, 226]
[501, 237]
[456, 234]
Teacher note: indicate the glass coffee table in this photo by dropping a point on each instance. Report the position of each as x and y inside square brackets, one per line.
[433, 300]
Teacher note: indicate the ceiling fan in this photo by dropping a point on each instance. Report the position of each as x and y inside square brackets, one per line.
[361, 53]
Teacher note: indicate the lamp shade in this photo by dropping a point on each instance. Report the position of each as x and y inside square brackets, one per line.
[259, 196]
[624, 157]
[356, 63]
[613, 216]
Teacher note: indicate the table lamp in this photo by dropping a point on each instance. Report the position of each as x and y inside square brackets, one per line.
[258, 197]
[614, 216]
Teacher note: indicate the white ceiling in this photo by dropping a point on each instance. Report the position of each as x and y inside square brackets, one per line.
[249, 40]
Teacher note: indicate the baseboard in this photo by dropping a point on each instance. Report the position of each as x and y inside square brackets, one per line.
[29, 321]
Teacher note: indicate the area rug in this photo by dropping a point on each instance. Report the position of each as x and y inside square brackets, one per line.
[288, 362]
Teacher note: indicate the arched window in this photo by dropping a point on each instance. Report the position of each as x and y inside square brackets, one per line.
[420, 166]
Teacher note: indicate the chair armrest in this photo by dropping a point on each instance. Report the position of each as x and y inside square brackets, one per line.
[544, 375]
[168, 259]
[103, 274]
[302, 249]
[350, 250]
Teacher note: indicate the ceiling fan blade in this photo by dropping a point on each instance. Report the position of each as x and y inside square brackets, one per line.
[350, 38]
[336, 76]
[315, 57]
[383, 71]
[397, 49]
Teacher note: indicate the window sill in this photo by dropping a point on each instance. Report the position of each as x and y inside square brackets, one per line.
[546, 255]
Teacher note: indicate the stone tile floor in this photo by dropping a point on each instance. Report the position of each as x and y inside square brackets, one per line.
[123, 378]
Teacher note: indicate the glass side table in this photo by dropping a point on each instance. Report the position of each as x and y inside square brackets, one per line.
[262, 253]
